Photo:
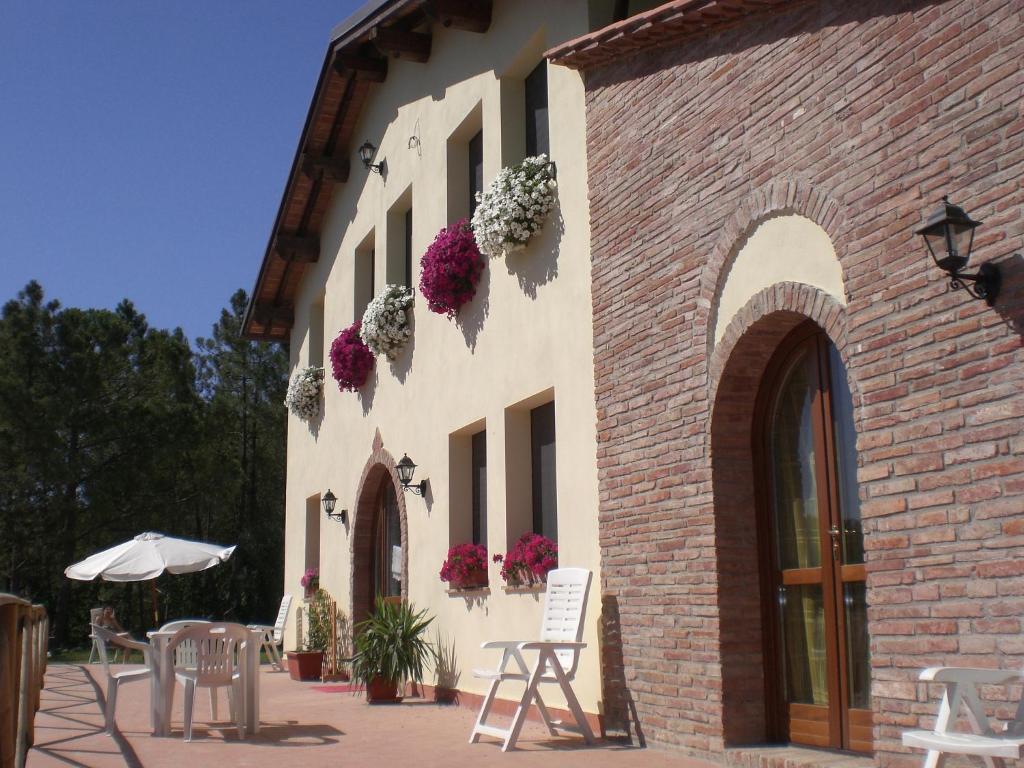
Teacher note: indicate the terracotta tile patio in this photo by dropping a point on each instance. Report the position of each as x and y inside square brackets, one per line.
[314, 728]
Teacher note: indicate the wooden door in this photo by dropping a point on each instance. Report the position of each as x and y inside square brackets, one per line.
[387, 555]
[818, 646]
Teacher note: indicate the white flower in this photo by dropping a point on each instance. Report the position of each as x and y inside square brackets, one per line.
[514, 208]
[385, 326]
[303, 398]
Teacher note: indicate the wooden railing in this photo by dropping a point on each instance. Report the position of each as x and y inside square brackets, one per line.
[24, 630]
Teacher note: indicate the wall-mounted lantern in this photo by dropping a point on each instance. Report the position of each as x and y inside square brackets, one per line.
[366, 153]
[329, 500]
[406, 469]
[949, 235]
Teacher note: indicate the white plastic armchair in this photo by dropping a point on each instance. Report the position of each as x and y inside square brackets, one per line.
[558, 654]
[983, 741]
[273, 636]
[217, 649]
[104, 638]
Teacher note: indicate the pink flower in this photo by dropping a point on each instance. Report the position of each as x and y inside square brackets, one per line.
[464, 562]
[311, 576]
[529, 560]
[450, 269]
[351, 359]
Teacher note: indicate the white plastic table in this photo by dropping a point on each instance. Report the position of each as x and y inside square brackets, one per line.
[162, 681]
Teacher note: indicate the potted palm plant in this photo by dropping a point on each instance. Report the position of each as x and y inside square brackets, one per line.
[308, 663]
[391, 650]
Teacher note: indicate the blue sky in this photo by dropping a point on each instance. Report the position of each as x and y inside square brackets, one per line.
[144, 145]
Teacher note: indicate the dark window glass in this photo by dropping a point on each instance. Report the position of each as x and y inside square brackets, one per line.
[542, 457]
[537, 111]
[480, 488]
[373, 269]
[476, 169]
[408, 248]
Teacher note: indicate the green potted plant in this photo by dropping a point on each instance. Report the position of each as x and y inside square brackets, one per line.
[446, 670]
[308, 663]
[391, 650]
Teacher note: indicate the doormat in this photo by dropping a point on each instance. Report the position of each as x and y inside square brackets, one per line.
[346, 688]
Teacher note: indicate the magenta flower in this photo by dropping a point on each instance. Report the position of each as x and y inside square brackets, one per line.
[465, 564]
[529, 560]
[450, 269]
[351, 359]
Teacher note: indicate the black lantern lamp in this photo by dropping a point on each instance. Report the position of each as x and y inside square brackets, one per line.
[949, 235]
[406, 469]
[366, 153]
[329, 500]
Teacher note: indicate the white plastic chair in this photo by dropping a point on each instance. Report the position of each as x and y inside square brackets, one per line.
[273, 636]
[95, 614]
[558, 655]
[983, 741]
[185, 653]
[104, 637]
[217, 647]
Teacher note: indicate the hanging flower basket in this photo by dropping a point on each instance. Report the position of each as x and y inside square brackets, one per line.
[386, 321]
[466, 566]
[513, 209]
[529, 560]
[303, 397]
[450, 269]
[351, 359]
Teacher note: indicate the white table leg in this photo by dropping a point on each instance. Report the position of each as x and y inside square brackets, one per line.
[251, 682]
[167, 687]
[153, 658]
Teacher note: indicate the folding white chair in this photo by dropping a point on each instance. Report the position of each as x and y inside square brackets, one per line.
[273, 636]
[558, 655]
[217, 648]
[103, 637]
[986, 742]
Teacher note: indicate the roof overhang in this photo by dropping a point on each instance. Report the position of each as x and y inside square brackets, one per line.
[356, 59]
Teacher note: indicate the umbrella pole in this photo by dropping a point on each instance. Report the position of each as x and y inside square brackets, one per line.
[152, 593]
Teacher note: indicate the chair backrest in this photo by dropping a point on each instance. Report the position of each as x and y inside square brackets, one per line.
[94, 618]
[282, 618]
[104, 637]
[216, 649]
[184, 654]
[565, 606]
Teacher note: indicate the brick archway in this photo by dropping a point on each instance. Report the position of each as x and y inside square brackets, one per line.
[735, 372]
[379, 469]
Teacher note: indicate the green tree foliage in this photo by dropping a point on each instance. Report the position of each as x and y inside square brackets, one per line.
[109, 428]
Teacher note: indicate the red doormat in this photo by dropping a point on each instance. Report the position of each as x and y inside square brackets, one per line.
[346, 688]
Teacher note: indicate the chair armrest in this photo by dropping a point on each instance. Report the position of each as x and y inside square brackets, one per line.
[554, 645]
[261, 627]
[505, 644]
[968, 675]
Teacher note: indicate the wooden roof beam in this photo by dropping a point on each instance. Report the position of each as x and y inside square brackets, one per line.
[331, 169]
[299, 248]
[411, 46]
[364, 67]
[468, 15]
[269, 314]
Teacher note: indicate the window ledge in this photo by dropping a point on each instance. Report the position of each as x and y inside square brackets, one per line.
[528, 589]
[471, 592]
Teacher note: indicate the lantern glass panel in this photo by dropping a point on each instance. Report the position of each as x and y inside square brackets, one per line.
[405, 468]
[961, 237]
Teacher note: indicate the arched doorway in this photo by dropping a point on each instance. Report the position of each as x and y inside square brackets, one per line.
[386, 555]
[812, 547]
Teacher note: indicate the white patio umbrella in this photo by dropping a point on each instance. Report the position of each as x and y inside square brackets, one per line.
[147, 556]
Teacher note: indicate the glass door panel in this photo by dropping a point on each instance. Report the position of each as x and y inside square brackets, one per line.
[803, 641]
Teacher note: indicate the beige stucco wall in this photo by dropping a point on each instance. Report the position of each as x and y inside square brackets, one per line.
[527, 332]
[782, 248]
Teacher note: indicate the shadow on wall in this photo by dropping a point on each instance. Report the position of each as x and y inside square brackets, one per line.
[368, 390]
[471, 317]
[402, 364]
[620, 716]
[537, 264]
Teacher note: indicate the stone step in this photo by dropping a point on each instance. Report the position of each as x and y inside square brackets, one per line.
[793, 757]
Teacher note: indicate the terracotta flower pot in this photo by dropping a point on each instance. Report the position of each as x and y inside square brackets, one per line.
[472, 581]
[443, 695]
[305, 665]
[381, 691]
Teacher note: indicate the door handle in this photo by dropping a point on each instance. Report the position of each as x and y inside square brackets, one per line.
[834, 533]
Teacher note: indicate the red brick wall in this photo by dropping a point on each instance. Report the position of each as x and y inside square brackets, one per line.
[859, 116]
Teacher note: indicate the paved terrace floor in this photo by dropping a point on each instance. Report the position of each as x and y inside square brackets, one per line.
[300, 726]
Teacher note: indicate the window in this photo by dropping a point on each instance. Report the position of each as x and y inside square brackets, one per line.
[315, 353]
[537, 111]
[363, 277]
[476, 169]
[408, 248]
[479, 499]
[542, 470]
[313, 532]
